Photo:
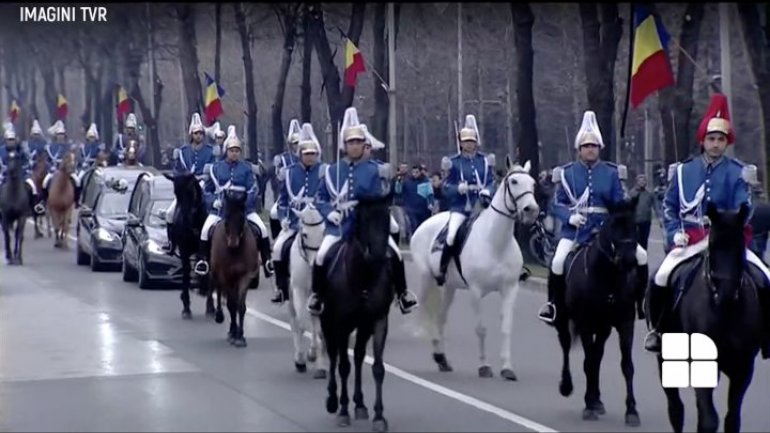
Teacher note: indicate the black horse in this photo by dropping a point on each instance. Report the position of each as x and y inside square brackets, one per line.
[601, 294]
[723, 302]
[359, 292]
[15, 207]
[185, 235]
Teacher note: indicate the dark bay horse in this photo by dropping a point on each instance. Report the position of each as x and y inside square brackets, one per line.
[600, 295]
[723, 303]
[186, 232]
[15, 207]
[61, 199]
[235, 261]
[358, 292]
[39, 170]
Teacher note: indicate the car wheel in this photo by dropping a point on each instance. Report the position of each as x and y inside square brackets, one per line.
[82, 259]
[129, 274]
[144, 279]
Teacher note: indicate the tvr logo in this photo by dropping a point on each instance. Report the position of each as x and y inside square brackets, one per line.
[689, 360]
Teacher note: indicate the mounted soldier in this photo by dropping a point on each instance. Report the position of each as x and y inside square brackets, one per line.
[232, 172]
[299, 188]
[373, 144]
[585, 189]
[191, 158]
[90, 149]
[711, 177]
[12, 146]
[283, 162]
[342, 185]
[470, 180]
[122, 140]
[36, 143]
[56, 151]
[217, 140]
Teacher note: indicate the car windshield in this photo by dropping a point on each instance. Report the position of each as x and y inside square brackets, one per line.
[113, 205]
[153, 218]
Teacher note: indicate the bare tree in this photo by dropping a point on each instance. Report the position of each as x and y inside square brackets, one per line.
[288, 16]
[523, 20]
[307, 61]
[218, 41]
[188, 57]
[379, 122]
[248, 70]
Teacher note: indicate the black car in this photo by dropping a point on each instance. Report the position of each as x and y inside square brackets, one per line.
[144, 237]
[98, 241]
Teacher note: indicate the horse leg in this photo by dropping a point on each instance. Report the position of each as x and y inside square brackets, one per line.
[185, 295]
[675, 405]
[380, 424]
[19, 238]
[38, 223]
[506, 326]
[243, 290]
[7, 236]
[708, 418]
[343, 417]
[332, 403]
[322, 359]
[232, 307]
[485, 370]
[626, 339]
[359, 353]
[593, 348]
[220, 316]
[439, 355]
[565, 341]
[297, 331]
[740, 379]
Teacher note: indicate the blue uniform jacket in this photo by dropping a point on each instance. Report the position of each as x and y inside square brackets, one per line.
[238, 174]
[56, 152]
[285, 159]
[193, 161]
[35, 147]
[473, 170]
[588, 190]
[4, 161]
[356, 180]
[300, 186]
[88, 153]
[694, 184]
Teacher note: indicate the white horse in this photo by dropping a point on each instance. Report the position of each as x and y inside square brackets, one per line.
[301, 257]
[491, 261]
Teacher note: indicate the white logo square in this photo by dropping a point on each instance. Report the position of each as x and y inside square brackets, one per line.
[676, 346]
[675, 374]
[704, 374]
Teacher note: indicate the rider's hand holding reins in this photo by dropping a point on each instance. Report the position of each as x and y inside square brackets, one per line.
[285, 224]
[217, 204]
[335, 217]
[681, 239]
[577, 219]
[462, 188]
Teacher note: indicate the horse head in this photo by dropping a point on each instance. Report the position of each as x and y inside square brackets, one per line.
[726, 256]
[372, 226]
[311, 228]
[617, 236]
[516, 196]
[68, 162]
[131, 153]
[235, 217]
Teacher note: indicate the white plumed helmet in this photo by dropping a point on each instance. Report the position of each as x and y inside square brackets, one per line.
[130, 121]
[195, 124]
[92, 132]
[232, 139]
[589, 131]
[308, 142]
[351, 129]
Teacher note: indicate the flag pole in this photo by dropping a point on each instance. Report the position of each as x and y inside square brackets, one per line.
[630, 71]
[392, 147]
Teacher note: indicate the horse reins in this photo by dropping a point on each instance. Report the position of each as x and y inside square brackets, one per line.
[512, 214]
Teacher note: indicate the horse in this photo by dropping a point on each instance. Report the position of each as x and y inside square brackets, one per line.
[131, 154]
[358, 292]
[235, 261]
[721, 302]
[601, 295]
[301, 258]
[490, 261]
[14, 208]
[39, 170]
[61, 199]
[185, 234]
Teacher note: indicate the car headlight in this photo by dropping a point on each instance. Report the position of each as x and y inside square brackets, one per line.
[154, 248]
[105, 235]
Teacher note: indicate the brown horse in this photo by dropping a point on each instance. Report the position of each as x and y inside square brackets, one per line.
[61, 199]
[39, 170]
[235, 261]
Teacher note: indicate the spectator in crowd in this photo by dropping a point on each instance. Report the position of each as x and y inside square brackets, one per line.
[760, 221]
[397, 208]
[439, 199]
[644, 209]
[418, 198]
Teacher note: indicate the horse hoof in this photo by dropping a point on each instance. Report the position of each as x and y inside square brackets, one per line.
[598, 407]
[361, 413]
[486, 372]
[380, 425]
[239, 342]
[319, 374]
[590, 415]
[301, 368]
[508, 374]
[565, 388]
[332, 404]
[219, 317]
[186, 315]
[311, 356]
[443, 364]
[632, 420]
[343, 420]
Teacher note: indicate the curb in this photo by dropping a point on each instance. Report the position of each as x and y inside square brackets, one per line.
[533, 284]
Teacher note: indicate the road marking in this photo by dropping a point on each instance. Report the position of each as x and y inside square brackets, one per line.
[447, 392]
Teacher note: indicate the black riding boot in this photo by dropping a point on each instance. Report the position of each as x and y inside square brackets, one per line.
[446, 257]
[76, 190]
[315, 303]
[406, 299]
[275, 228]
[170, 247]
[642, 279]
[281, 282]
[556, 284]
[658, 302]
[264, 250]
[202, 266]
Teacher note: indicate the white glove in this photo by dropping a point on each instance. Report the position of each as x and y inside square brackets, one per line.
[462, 188]
[217, 204]
[334, 217]
[485, 193]
[285, 224]
[577, 219]
[681, 239]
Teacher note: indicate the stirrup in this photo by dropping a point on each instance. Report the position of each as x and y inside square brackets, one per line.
[278, 298]
[403, 307]
[546, 319]
[202, 268]
[39, 209]
[315, 300]
[653, 333]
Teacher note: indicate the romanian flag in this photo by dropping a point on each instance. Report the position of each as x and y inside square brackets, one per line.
[650, 68]
[354, 63]
[213, 102]
[14, 110]
[61, 107]
[124, 103]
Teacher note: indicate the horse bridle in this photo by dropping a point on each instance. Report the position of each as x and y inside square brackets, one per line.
[613, 255]
[512, 214]
[304, 247]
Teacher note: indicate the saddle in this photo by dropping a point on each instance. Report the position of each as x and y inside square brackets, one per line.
[572, 257]
[439, 243]
[286, 250]
[337, 251]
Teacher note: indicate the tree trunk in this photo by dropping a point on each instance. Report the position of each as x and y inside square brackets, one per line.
[676, 102]
[188, 58]
[88, 90]
[49, 87]
[757, 40]
[62, 82]
[523, 20]
[218, 42]
[289, 18]
[379, 123]
[307, 54]
[600, 50]
[248, 70]
[107, 105]
[354, 33]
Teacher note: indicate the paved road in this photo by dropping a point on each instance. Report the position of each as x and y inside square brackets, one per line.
[84, 351]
